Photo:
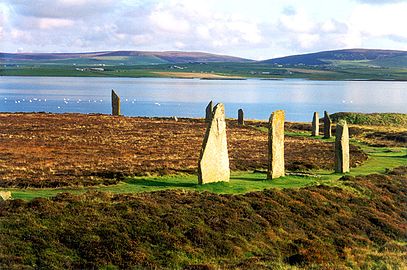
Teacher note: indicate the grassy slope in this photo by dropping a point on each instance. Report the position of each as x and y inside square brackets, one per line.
[343, 65]
[400, 62]
[360, 227]
[380, 160]
[377, 119]
[258, 70]
[345, 222]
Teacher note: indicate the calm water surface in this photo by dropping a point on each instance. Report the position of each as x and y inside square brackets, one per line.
[189, 97]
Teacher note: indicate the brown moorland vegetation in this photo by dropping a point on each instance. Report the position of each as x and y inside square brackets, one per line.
[380, 136]
[319, 227]
[51, 150]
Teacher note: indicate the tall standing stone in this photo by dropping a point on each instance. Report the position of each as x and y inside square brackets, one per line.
[315, 124]
[342, 147]
[276, 145]
[209, 111]
[327, 126]
[240, 117]
[213, 163]
[115, 103]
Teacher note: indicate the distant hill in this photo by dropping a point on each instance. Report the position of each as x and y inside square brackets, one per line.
[117, 58]
[350, 57]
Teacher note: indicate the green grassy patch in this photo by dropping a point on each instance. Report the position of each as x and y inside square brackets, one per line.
[380, 161]
[317, 227]
[143, 66]
[378, 119]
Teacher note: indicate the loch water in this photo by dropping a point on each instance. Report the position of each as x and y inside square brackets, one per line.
[166, 97]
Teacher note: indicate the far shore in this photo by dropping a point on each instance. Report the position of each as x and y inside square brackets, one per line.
[202, 76]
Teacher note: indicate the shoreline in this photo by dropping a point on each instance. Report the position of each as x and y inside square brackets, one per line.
[237, 78]
[342, 114]
[202, 76]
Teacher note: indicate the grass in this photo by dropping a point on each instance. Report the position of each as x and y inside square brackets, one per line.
[258, 70]
[61, 71]
[380, 161]
[318, 227]
[377, 119]
[354, 222]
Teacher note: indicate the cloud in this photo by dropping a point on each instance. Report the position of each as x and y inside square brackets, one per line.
[194, 25]
[62, 8]
[374, 21]
[165, 20]
[379, 2]
[300, 32]
[289, 10]
[49, 23]
[297, 21]
[2, 22]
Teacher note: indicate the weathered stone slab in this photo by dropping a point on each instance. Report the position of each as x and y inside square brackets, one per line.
[315, 124]
[342, 147]
[213, 163]
[209, 112]
[276, 145]
[115, 103]
[327, 126]
[5, 195]
[240, 117]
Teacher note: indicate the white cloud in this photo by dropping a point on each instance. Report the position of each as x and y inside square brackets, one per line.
[62, 8]
[49, 23]
[297, 21]
[168, 22]
[179, 45]
[308, 41]
[199, 25]
[203, 32]
[389, 20]
[380, 2]
[141, 39]
[332, 26]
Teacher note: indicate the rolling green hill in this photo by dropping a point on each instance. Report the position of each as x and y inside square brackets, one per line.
[115, 58]
[354, 64]
[353, 57]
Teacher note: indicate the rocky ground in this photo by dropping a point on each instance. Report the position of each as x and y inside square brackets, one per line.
[50, 150]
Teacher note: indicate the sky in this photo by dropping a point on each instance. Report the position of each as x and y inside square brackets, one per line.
[255, 29]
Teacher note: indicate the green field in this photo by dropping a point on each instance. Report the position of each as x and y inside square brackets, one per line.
[345, 71]
[377, 119]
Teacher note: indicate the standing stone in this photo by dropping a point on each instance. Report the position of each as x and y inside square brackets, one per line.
[240, 117]
[342, 147]
[213, 163]
[276, 145]
[327, 126]
[115, 103]
[209, 111]
[5, 195]
[315, 124]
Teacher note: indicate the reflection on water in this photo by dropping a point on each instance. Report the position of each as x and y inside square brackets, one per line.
[188, 97]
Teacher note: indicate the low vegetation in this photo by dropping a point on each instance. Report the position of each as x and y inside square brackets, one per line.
[161, 219]
[320, 227]
[376, 119]
[393, 134]
[54, 150]
[356, 64]
[205, 70]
